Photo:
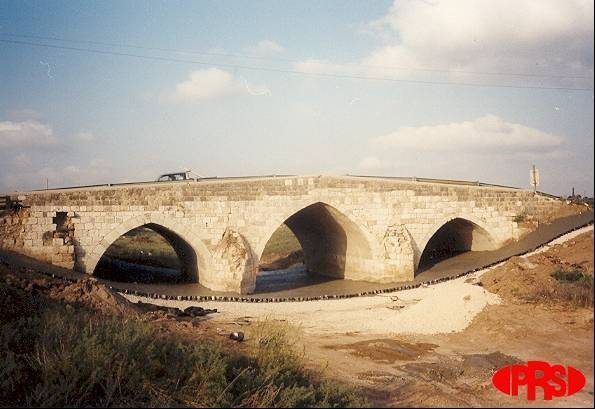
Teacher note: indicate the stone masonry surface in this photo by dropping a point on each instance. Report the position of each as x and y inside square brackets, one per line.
[370, 229]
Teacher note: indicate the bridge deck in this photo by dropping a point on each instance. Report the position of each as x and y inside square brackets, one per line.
[236, 179]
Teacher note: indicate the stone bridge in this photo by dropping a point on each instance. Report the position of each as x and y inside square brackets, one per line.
[358, 228]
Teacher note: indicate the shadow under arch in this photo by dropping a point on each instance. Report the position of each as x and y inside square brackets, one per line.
[332, 244]
[455, 236]
[118, 270]
[193, 255]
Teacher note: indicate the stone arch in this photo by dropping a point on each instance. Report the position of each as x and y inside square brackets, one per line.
[333, 243]
[192, 252]
[464, 233]
[277, 219]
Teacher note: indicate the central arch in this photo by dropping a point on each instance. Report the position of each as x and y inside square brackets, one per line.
[332, 244]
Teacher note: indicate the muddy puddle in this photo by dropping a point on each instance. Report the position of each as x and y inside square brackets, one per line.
[386, 350]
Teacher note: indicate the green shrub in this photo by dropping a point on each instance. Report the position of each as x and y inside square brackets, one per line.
[569, 276]
[575, 287]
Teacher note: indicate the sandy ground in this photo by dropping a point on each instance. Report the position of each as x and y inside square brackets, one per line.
[447, 307]
[439, 345]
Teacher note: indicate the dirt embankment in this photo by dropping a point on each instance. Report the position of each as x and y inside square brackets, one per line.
[281, 261]
[79, 344]
[561, 275]
[25, 291]
[85, 293]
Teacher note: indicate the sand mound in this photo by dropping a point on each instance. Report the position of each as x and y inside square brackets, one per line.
[21, 286]
[517, 277]
[97, 296]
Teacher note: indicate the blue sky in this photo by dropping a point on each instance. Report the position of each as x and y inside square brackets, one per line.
[474, 90]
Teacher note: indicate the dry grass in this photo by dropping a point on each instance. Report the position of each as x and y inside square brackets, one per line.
[573, 287]
[54, 355]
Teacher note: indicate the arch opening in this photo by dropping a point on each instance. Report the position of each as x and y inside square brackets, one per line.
[455, 237]
[149, 254]
[282, 251]
[317, 243]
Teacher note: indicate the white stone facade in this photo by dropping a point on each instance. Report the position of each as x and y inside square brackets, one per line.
[372, 229]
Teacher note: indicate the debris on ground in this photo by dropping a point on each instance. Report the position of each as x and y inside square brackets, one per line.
[192, 311]
[237, 336]
[95, 295]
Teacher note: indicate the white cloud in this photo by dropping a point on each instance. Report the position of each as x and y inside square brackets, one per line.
[372, 163]
[207, 84]
[29, 177]
[456, 39]
[25, 134]
[214, 83]
[488, 134]
[265, 47]
[86, 136]
[547, 36]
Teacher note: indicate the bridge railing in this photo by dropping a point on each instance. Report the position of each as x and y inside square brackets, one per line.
[456, 182]
[215, 178]
[550, 195]
[150, 182]
[444, 181]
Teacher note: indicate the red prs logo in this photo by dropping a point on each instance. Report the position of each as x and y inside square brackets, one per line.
[555, 380]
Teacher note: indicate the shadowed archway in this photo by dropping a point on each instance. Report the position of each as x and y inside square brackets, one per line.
[452, 238]
[331, 244]
[149, 253]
